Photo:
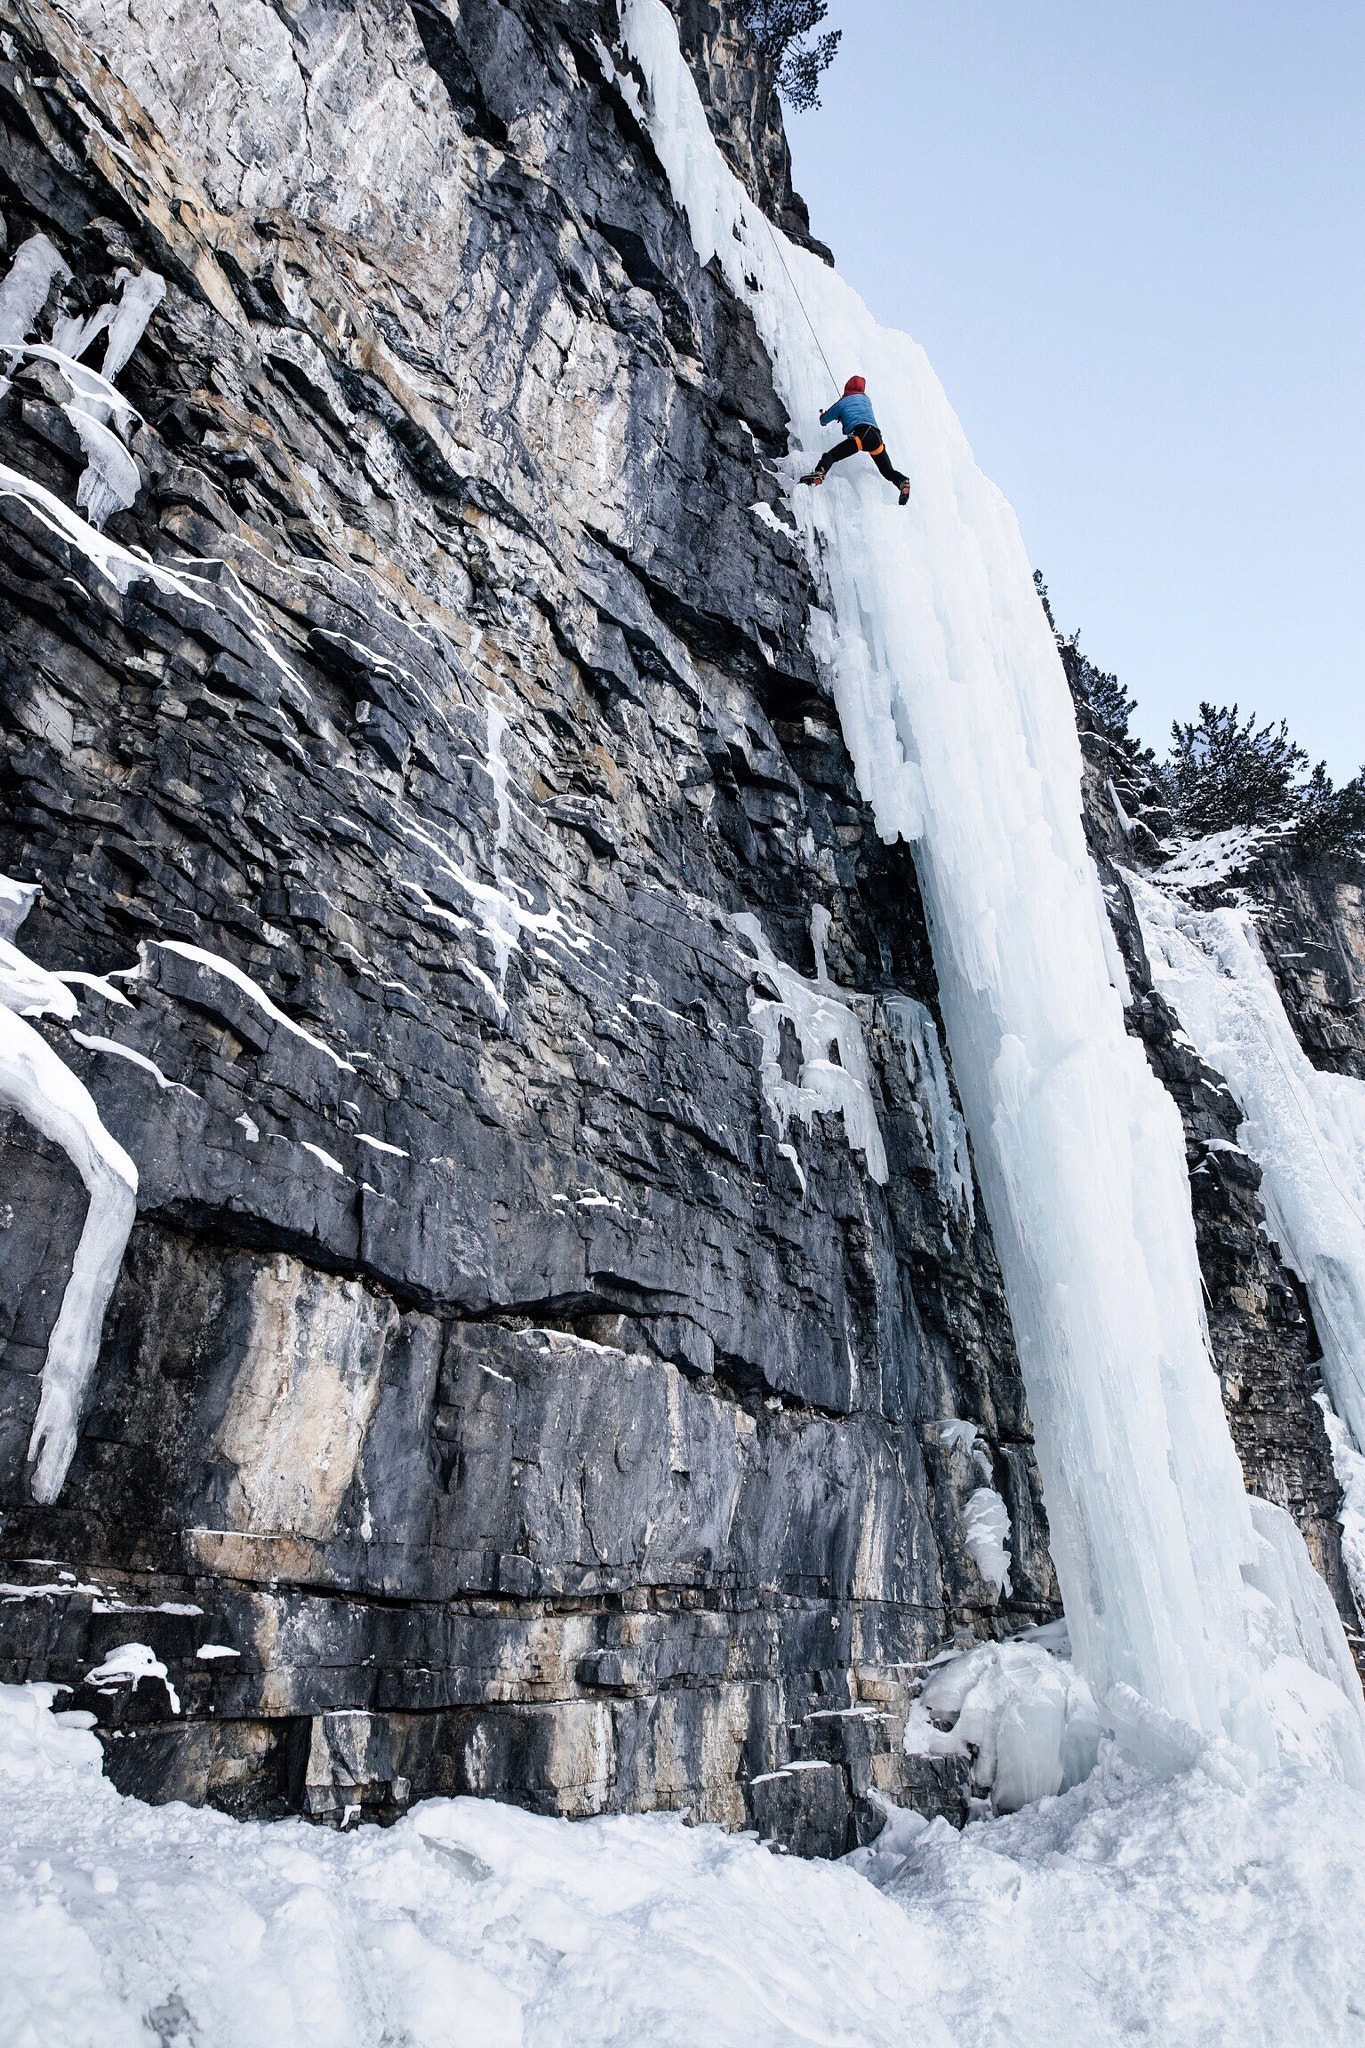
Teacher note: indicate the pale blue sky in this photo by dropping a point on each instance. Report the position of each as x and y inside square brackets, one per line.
[1130, 238]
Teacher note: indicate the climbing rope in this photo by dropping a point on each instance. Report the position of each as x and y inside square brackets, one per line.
[777, 248]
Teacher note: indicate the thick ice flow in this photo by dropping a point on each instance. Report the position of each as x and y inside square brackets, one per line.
[958, 718]
[34, 1081]
[1304, 1128]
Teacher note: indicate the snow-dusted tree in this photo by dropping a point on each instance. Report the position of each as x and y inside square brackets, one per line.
[1224, 771]
[1331, 821]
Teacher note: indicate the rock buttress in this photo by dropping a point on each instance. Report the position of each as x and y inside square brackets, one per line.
[517, 1381]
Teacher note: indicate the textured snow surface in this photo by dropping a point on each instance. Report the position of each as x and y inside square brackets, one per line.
[960, 724]
[1173, 1912]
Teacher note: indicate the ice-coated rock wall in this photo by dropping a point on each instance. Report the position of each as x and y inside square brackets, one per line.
[544, 1363]
[557, 1313]
[954, 703]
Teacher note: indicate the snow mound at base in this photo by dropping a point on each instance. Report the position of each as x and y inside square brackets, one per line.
[1175, 1910]
[1170, 1910]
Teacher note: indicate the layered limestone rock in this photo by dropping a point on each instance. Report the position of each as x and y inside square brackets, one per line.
[558, 1353]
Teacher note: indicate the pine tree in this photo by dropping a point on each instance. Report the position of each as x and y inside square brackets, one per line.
[1331, 821]
[1223, 772]
[781, 28]
[1103, 705]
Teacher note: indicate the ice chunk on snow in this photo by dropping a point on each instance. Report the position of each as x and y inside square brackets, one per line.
[957, 716]
[1027, 1720]
[824, 1023]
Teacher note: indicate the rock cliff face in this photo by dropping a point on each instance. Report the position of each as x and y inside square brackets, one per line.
[556, 1260]
[558, 1353]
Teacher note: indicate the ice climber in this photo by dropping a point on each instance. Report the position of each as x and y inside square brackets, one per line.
[855, 415]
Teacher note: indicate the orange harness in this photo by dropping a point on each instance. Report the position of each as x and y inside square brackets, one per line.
[857, 437]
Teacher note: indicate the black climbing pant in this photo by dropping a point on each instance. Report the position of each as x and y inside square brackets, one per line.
[865, 441]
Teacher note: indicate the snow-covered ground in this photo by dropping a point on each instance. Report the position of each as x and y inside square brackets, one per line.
[1172, 1911]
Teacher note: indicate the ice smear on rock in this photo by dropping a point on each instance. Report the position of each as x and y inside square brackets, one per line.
[986, 1529]
[48, 1095]
[940, 1124]
[824, 1023]
[957, 716]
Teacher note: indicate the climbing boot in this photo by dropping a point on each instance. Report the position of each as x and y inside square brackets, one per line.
[817, 476]
[905, 493]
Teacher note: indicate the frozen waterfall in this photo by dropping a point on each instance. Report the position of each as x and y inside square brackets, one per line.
[959, 722]
[1304, 1128]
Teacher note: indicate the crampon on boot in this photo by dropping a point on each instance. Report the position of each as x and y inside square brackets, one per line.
[817, 476]
[905, 494]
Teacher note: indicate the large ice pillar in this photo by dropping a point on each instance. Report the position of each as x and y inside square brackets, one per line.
[957, 715]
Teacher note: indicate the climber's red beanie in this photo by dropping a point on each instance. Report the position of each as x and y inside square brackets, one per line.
[855, 384]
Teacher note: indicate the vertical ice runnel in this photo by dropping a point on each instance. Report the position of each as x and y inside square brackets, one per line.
[957, 715]
[1304, 1128]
